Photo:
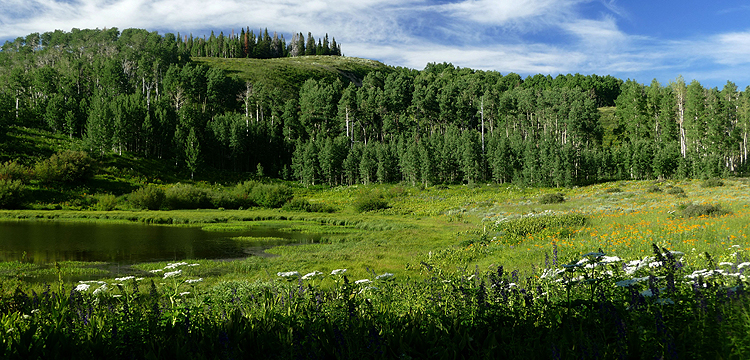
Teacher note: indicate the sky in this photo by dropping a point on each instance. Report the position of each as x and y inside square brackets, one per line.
[708, 41]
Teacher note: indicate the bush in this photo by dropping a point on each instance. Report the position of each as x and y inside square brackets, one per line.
[370, 203]
[271, 195]
[11, 194]
[65, 167]
[696, 210]
[653, 189]
[678, 191]
[105, 202]
[147, 197]
[225, 199]
[613, 190]
[297, 204]
[186, 196]
[552, 198]
[533, 224]
[11, 170]
[712, 183]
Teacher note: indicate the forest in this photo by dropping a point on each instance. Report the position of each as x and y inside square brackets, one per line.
[150, 95]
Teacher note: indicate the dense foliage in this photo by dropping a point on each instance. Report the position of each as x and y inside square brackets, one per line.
[594, 307]
[139, 92]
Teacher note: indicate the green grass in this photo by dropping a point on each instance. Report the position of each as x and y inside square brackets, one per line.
[290, 73]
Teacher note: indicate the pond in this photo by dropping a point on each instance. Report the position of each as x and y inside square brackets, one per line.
[42, 242]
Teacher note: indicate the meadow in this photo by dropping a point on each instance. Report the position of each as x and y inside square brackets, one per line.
[622, 270]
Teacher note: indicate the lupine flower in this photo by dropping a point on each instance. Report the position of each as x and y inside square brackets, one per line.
[338, 271]
[193, 281]
[311, 275]
[288, 274]
[173, 273]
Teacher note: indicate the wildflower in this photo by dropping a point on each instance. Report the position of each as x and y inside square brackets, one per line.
[100, 289]
[116, 296]
[191, 265]
[156, 271]
[386, 276]
[338, 271]
[82, 287]
[742, 265]
[610, 259]
[175, 265]
[173, 273]
[34, 311]
[363, 281]
[193, 281]
[725, 263]
[125, 278]
[288, 274]
[184, 293]
[311, 275]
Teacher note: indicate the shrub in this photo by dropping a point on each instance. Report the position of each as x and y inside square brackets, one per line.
[11, 170]
[613, 190]
[186, 196]
[653, 189]
[11, 193]
[712, 183]
[225, 199]
[555, 198]
[65, 167]
[535, 223]
[147, 197]
[678, 191]
[297, 204]
[105, 202]
[370, 202]
[243, 192]
[271, 195]
[696, 210]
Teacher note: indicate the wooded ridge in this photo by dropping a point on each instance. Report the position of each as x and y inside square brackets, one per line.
[301, 111]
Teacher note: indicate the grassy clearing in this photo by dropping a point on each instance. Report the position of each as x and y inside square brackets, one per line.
[444, 244]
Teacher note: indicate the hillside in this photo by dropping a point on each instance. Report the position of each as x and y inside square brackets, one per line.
[291, 72]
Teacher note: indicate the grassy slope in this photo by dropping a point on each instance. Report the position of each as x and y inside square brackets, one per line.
[290, 73]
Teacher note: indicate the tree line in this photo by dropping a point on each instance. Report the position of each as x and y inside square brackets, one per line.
[139, 92]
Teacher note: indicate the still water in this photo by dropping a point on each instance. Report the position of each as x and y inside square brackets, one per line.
[47, 242]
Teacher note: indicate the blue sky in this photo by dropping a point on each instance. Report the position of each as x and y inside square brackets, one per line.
[704, 40]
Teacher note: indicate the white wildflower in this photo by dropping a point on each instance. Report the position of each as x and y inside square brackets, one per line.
[311, 275]
[288, 274]
[610, 259]
[156, 271]
[174, 265]
[338, 271]
[184, 293]
[82, 287]
[191, 265]
[100, 289]
[363, 281]
[655, 264]
[193, 281]
[125, 278]
[743, 265]
[116, 296]
[34, 311]
[173, 273]
[386, 276]
[725, 263]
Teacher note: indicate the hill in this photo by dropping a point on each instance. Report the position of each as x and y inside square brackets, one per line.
[291, 72]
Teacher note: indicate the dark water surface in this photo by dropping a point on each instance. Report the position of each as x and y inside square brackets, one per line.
[46, 242]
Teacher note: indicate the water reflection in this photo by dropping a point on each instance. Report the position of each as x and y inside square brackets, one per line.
[47, 242]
